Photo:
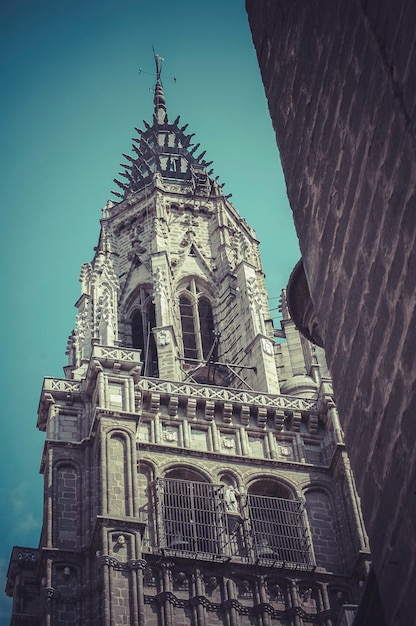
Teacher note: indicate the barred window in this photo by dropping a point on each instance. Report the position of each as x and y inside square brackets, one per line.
[278, 530]
[192, 517]
[194, 521]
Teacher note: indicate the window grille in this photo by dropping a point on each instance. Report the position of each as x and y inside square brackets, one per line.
[193, 522]
[278, 531]
[192, 518]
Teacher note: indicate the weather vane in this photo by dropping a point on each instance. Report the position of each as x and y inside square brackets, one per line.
[158, 63]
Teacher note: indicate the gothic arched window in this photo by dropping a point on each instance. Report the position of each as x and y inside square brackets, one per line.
[192, 514]
[197, 324]
[143, 321]
[278, 528]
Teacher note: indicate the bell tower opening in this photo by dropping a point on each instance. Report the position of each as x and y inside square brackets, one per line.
[200, 344]
[143, 320]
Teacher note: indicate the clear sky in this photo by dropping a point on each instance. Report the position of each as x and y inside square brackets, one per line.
[71, 95]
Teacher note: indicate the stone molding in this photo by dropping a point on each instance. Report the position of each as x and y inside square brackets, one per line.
[232, 603]
[131, 564]
[185, 390]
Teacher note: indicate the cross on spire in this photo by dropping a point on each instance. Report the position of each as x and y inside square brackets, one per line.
[158, 63]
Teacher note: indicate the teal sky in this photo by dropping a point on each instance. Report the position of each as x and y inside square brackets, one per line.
[72, 94]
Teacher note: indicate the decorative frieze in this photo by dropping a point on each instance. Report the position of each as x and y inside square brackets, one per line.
[188, 390]
[131, 564]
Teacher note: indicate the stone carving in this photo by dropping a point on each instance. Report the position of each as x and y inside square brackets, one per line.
[267, 346]
[158, 180]
[230, 498]
[85, 277]
[244, 589]
[161, 228]
[228, 443]
[131, 564]
[106, 208]
[222, 394]
[275, 592]
[163, 338]
[212, 582]
[160, 284]
[131, 199]
[190, 221]
[83, 328]
[107, 322]
[149, 577]
[253, 293]
[241, 247]
[255, 302]
[182, 580]
[171, 435]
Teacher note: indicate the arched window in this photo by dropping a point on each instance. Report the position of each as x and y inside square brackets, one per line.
[143, 321]
[277, 523]
[206, 325]
[197, 325]
[192, 514]
[190, 349]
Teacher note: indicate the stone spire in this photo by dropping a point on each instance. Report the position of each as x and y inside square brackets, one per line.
[164, 152]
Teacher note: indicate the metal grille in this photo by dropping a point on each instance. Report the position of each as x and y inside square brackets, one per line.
[278, 531]
[192, 517]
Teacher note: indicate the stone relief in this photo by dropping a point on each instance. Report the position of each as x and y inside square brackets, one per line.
[241, 247]
[160, 284]
[267, 346]
[163, 338]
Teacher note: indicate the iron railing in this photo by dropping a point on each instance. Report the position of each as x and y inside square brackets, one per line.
[278, 530]
[192, 517]
[194, 522]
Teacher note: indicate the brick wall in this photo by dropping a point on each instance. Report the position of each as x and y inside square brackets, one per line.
[339, 77]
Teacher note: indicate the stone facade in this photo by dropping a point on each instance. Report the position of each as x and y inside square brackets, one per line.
[339, 81]
[195, 470]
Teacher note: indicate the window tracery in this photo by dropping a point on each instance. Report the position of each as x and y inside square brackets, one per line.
[197, 324]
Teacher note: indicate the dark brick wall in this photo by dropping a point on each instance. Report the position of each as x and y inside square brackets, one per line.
[340, 80]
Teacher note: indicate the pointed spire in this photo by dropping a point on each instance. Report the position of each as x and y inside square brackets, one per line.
[163, 148]
[159, 98]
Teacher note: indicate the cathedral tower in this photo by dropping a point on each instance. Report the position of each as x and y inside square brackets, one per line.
[194, 468]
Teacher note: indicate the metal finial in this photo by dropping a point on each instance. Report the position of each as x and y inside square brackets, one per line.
[158, 60]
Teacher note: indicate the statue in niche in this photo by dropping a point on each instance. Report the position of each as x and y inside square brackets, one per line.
[255, 300]
[158, 180]
[276, 592]
[181, 581]
[160, 227]
[244, 589]
[230, 498]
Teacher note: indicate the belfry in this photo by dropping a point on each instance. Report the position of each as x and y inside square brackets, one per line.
[194, 465]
